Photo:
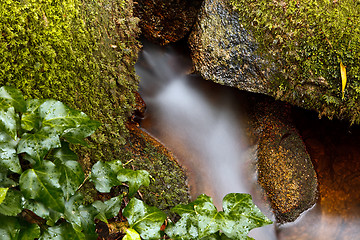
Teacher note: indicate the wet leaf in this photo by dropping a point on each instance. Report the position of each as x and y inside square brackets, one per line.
[131, 234]
[73, 125]
[11, 205]
[72, 175]
[29, 231]
[343, 79]
[199, 219]
[14, 97]
[241, 215]
[146, 220]
[42, 184]
[103, 177]
[8, 120]
[3, 192]
[31, 118]
[38, 144]
[135, 179]
[81, 217]
[8, 156]
[41, 210]
[9, 228]
[108, 209]
[62, 232]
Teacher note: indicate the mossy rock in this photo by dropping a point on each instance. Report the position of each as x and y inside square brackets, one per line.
[288, 49]
[81, 52]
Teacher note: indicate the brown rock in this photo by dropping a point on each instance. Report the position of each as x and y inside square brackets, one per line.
[285, 170]
[163, 22]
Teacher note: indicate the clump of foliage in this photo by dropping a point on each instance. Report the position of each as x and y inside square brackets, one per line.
[40, 180]
[308, 40]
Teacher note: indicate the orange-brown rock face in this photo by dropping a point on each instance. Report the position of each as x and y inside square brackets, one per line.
[163, 22]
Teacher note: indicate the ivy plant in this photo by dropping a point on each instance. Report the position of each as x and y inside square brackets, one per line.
[40, 178]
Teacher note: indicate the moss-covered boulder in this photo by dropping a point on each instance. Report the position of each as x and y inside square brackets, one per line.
[284, 167]
[168, 21]
[291, 50]
[81, 52]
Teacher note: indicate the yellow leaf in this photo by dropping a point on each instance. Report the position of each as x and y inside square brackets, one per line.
[343, 78]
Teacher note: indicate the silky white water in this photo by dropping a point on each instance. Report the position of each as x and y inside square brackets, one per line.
[200, 122]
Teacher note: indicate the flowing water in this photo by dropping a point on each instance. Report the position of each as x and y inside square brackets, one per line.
[203, 124]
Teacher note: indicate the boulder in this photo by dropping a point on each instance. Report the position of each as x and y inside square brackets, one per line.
[285, 170]
[284, 49]
[164, 22]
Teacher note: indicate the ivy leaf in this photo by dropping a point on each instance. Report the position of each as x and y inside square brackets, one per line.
[108, 209]
[76, 135]
[81, 217]
[3, 192]
[42, 184]
[146, 220]
[29, 231]
[62, 232]
[14, 97]
[11, 204]
[72, 175]
[31, 118]
[131, 234]
[241, 215]
[37, 145]
[199, 219]
[9, 228]
[8, 156]
[134, 178]
[72, 124]
[41, 210]
[5, 181]
[103, 177]
[8, 120]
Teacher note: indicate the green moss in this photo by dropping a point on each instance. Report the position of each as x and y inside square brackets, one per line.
[307, 40]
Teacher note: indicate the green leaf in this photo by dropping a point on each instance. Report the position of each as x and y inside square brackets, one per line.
[103, 177]
[3, 192]
[8, 156]
[241, 215]
[199, 219]
[108, 209]
[134, 178]
[42, 184]
[64, 153]
[41, 210]
[9, 228]
[72, 175]
[6, 182]
[72, 124]
[131, 234]
[62, 232]
[146, 220]
[8, 120]
[81, 217]
[77, 135]
[29, 231]
[37, 145]
[11, 205]
[31, 118]
[14, 97]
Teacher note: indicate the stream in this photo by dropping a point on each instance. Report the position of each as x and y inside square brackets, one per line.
[204, 125]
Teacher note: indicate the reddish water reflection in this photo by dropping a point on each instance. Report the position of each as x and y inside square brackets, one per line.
[334, 147]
